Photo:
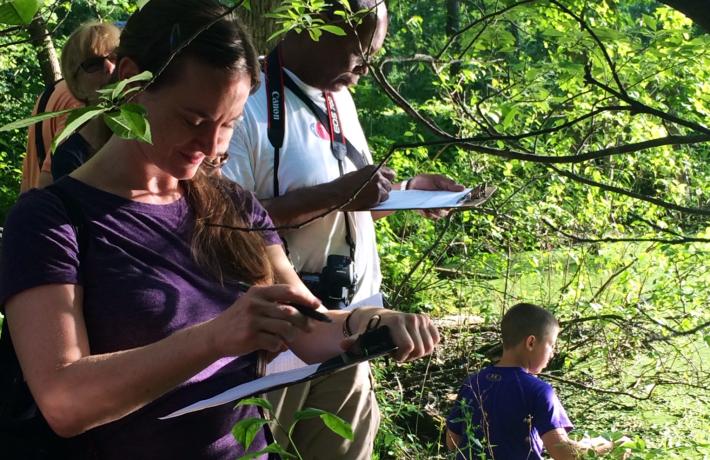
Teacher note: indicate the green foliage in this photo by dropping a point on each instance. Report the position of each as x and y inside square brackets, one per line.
[306, 16]
[336, 424]
[635, 323]
[130, 122]
[246, 429]
[302, 15]
[126, 120]
[260, 402]
[20, 77]
[19, 11]
[271, 448]
[520, 71]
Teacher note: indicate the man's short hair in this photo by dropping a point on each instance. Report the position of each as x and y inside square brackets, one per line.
[523, 320]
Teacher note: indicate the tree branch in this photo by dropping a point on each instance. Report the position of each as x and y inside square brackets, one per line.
[621, 191]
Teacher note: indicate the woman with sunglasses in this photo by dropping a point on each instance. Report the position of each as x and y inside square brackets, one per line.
[148, 317]
[88, 62]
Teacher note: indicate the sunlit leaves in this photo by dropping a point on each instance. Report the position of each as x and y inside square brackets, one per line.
[129, 122]
[307, 16]
[126, 120]
[25, 122]
[18, 11]
[76, 119]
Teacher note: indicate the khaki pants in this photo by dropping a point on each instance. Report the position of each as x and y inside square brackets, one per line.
[349, 395]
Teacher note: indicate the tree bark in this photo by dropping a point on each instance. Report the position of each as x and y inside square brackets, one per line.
[46, 54]
[697, 10]
[453, 15]
[260, 26]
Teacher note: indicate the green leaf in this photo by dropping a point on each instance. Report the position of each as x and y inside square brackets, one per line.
[118, 91]
[509, 117]
[261, 402]
[270, 449]
[19, 11]
[76, 120]
[25, 122]
[335, 30]
[336, 424]
[307, 413]
[245, 430]
[130, 122]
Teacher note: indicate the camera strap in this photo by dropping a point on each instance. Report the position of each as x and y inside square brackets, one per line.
[276, 81]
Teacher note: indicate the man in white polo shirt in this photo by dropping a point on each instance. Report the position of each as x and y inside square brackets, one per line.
[302, 151]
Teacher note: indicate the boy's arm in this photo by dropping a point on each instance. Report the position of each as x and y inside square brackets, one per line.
[453, 440]
[561, 447]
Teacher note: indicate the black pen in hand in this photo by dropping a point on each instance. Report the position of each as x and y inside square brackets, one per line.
[302, 309]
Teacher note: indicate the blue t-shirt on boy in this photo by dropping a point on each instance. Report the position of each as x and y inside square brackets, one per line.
[507, 410]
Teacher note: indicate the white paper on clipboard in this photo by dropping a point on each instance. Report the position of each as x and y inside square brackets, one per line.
[274, 378]
[435, 199]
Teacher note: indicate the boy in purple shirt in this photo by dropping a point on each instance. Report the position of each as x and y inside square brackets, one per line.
[505, 411]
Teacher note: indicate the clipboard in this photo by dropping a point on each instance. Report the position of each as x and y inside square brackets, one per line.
[436, 199]
[370, 345]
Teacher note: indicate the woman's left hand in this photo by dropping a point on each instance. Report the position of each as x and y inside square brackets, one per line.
[415, 335]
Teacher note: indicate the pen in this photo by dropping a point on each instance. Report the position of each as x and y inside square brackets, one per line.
[302, 309]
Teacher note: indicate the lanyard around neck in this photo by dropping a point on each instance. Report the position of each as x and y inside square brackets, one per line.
[276, 81]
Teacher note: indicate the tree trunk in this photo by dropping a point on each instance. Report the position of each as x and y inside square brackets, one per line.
[260, 27]
[46, 54]
[453, 16]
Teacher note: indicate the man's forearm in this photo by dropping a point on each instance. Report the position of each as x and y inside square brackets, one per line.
[298, 206]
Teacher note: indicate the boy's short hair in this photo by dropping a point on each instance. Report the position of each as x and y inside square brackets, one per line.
[523, 320]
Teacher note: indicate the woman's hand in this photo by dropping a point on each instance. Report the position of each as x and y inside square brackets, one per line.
[261, 320]
[413, 334]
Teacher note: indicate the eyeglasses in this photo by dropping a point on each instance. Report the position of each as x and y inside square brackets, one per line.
[217, 162]
[96, 63]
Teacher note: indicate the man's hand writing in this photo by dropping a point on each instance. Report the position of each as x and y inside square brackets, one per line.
[375, 192]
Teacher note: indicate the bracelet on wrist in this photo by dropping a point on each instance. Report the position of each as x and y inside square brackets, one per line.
[347, 332]
[372, 323]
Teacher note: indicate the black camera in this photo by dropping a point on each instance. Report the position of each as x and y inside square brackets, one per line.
[335, 284]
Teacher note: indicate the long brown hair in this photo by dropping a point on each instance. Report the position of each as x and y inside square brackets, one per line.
[161, 33]
[227, 254]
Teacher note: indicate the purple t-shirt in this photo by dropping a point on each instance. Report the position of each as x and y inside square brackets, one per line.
[514, 407]
[140, 285]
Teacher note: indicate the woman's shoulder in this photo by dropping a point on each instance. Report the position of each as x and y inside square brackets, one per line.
[37, 205]
[39, 215]
[39, 244]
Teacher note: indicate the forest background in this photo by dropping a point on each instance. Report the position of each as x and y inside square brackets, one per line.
[591, 119]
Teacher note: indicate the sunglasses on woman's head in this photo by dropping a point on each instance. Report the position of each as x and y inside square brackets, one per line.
[96, 63]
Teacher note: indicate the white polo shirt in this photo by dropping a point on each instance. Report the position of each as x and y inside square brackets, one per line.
[306, 160]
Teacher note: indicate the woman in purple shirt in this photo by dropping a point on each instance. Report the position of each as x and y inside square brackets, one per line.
[147, 317]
